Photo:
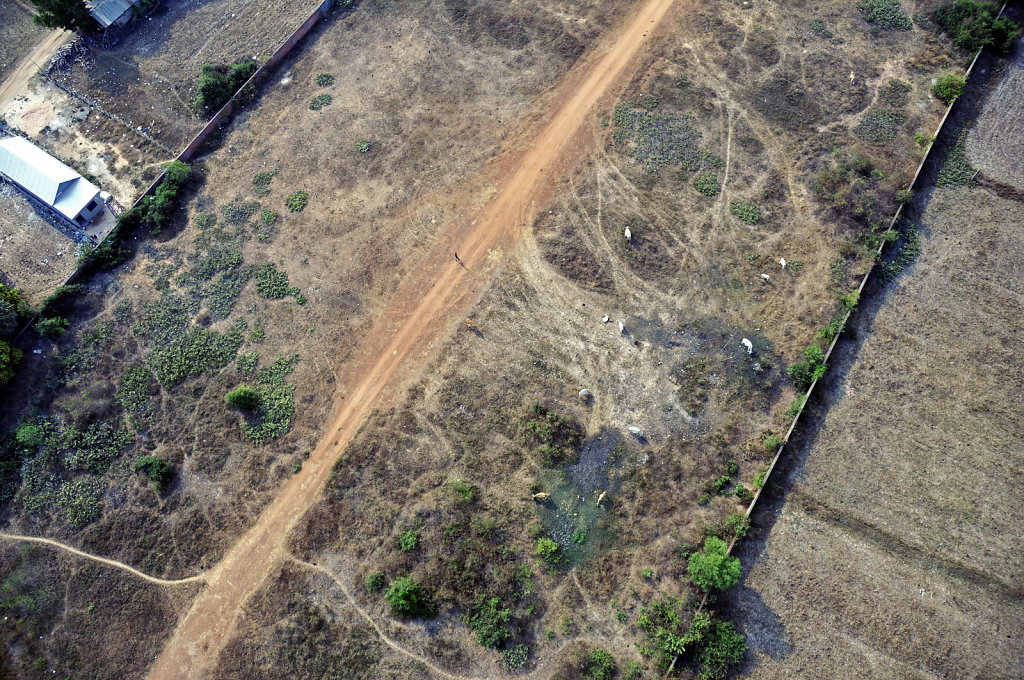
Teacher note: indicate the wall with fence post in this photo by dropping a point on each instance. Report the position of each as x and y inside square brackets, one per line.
[828, 353]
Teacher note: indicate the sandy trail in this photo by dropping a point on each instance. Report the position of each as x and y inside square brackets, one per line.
[27, 67]
[102, 560]
[418, 318]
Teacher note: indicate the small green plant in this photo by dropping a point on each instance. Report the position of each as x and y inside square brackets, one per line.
[410, 540]
[516, 657]
[374, 581]
[746, 211]
[600, 665]
[707, 183]
[760, 478]
[324, 79]
[320, 101]
[850, 299]
[244, 398]
[363, 146]
[579, 538]
[297, 201]
[712, 567]
[948, 88]
[738, 524]
[923, 140]
[796, 406]
[261, 182]
[646, 573]
[743, 493]
[463, 491]
[722, 483]
[489, 619]
[772, 441]
[904, 196]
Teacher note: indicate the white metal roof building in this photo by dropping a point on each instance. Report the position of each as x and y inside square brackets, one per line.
[111, 12]
[65, 191]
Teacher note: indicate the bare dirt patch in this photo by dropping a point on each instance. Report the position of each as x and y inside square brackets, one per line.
[18, 35]
[998, 133]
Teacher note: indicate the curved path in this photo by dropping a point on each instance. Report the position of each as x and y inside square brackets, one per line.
[31, 63]
[102, 560]
[430, 299]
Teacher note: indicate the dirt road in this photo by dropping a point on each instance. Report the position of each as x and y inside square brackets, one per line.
[30, 64]
[437, 293]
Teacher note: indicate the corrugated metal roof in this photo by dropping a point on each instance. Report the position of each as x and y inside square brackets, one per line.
[108, 11]
[45, 177]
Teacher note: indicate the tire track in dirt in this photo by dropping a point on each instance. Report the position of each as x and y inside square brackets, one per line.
[409, 331]
[102, 560]
[30, 65]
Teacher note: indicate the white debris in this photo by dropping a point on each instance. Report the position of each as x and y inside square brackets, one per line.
[584, 394]
[749, 345]
[601, 497]
[606, 319]
[636, 432]
[766, 277]
[622, 329]
[628, 234]
[783, 262]
[37, 351]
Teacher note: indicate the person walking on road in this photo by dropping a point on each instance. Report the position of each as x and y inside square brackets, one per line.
[457, 258]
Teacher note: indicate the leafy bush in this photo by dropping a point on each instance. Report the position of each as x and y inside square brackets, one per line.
[410, 540]
[158, 470]
[374, 581]
[973, 25]
[79, 500]
[277, 402]
[600, 665]
[324, 79]
[8, 318]
[794, 408]
[739, 524]
[712, 567]
[885, 13]
[407, 598]
[463, 491]
[271, 283]
[244, 398]
[805, 372]
[879, 125]
[53, 327]
[363, 146]
[772, 441]
[297, 201]
[488, 619]
[948, 88]
[707, 183]
[956, 170]
[746, 211]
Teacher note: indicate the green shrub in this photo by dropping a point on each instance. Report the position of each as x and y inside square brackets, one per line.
[488, 619]
[410, 540]
[53, 327]
[374, 581]
[738, 524]
[746, 211]
[29, 436]
[297, 201]
[707, 183]
[549, 550]
[720, 648]
[261, 182]
[79, 500]
[879, 125]
[157, 469]
[407, 598]
[973, 25]
[796, 406]
[743, 493]
[60, 301]
[600, 665]
[885, 13]
[850, 299]
[217, 84]
[244, 398]
[772, 441]
[712, 567]
[805, 372]
[324, 79]
[8, 318]
[948, 88]
[363, 146]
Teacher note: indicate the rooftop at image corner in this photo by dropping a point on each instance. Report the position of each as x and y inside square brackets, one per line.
[61, 188]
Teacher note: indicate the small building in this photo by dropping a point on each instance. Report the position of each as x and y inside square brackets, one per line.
[60, 188]
[109, 13]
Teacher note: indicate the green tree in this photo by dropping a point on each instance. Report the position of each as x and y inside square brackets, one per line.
[713, 568]
[721, 648]
[72, 15]
[9, 358]
[244, 398]
[948, 88]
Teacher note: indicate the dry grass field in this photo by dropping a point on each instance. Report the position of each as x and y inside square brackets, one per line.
[749, 133]
[895, 552]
